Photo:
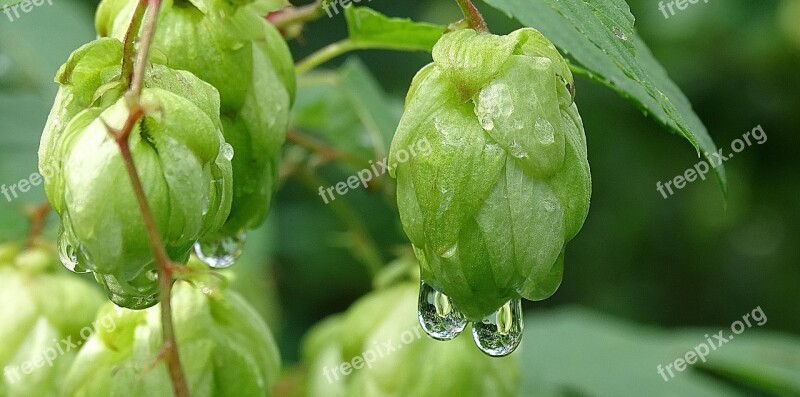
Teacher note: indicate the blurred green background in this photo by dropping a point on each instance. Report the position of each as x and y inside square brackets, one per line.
[687, 261]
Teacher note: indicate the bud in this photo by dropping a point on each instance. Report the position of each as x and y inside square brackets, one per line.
[507, 182]
[232, 47]
[180, 155]
[377, 348]
[225, 349]
[43, 312]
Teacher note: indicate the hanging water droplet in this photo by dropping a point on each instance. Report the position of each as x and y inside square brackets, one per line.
[222, 253]
[69, 255]
[437, 315]
[500, 333]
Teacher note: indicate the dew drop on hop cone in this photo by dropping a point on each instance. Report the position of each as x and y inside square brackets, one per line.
[222, 253]
[69, 255]
[500, 333]
[437, 315]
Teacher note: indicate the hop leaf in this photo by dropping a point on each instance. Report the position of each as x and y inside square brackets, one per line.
[507, 183]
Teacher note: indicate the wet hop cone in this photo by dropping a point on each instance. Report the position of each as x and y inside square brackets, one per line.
[180, 154]
[388, 354]
[225, 348]
[44, 312]
[230, 45]
[506, 186]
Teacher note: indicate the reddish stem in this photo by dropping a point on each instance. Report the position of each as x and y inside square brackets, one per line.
[135, 71]
[38, 217]
[473, 16]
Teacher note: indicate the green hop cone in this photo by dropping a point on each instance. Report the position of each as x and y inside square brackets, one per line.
[180, 154]
[377, 348]
[230, 45]
[225, 349]
[45, 314]
[507, 183]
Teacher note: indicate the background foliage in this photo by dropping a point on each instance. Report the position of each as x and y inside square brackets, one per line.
[687, 261]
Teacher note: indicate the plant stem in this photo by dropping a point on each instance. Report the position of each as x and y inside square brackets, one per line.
[327, 153]
[286, 17]
[137, 79]
[129, 45]
[38, 217]
[473, 16]
[324, 55]
[135, 72]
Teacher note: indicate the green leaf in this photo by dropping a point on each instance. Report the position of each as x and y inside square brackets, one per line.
[767, 361]
[583, 353]
[599, 35]
[371, 29]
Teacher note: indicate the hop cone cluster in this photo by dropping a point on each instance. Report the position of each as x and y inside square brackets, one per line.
[388, 354]
[180, 154]
[507, 183]
[230, 45]
[226, 350]
[37, 335]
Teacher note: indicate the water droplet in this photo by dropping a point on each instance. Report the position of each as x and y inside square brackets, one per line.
[222, 253]
[69, 255]
[437, 315]
[500, 333]
[620, 34]
[550, 205]
[227, 151]
[486, 121]
[544, 131]
[517, 150]
[450, 251]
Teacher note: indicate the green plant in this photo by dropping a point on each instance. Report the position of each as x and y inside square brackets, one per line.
[38, 337]
[179, 113]
[506, 186]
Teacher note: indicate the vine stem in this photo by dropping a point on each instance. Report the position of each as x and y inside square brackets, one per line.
[326, 54]
[134, 65]
[473, 16]
[38, 218]
[286, 17]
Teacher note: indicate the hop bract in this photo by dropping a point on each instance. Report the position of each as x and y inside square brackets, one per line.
[230, 45]
[44, 313]
[180, 154]
[377, 348]
[507, 183]
[225, 349]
